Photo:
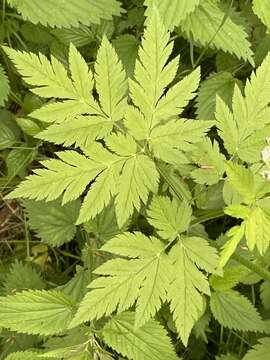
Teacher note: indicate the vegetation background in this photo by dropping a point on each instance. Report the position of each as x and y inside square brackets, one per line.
[174, 233]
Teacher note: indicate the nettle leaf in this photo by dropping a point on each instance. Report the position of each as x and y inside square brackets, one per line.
[185, 292]
[127, 47]
[22, 277]
[66, 12]
[9, 131]
[235, 311]
[172, 12]
[36, 312]
[221, 84]
[210, 26]
[144, 278]
[262, 10]
[259, 351]
[170, 218]
[53, 222]
[265, 294]
[150, 342]
[243, 127]
[4, 86]
[79, 36]
[105, 225]
[23, 355]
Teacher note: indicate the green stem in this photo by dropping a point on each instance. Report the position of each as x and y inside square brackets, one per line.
[262, 272]
[208, 215]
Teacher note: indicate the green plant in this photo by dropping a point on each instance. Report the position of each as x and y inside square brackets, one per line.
[152, 198]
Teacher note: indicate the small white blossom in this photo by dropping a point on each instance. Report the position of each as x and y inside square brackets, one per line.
[266, 154]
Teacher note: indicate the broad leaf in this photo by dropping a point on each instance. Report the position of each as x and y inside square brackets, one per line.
[54, 223]
[36, 312]
[235, 311]
[150, 342]
[66, 12]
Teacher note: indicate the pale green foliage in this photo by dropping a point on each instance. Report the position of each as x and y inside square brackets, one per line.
[71, 174]
[139, 176]
[189, 284]
[111, 81]
[235, 311]
[210, 26]
[50, 79]
[23, 355]
[259, 351]
[221, 84]
[171, 11]
[66, 12]
[126, 172]
[262, 9]
[210, 162]
[242, 180]
[36, 312]
[170, 140]
[258, 230]
[232, 276]
[53, 222]
[153, 74]
[256, 222]
[4, 86]
[147, 276]
[235, 235]
[150, 342]
[170, 218]
[145, 279]
[242, 129]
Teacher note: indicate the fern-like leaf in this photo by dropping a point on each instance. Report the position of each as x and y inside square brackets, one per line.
[144, 279]
[69, 175]
[249, 115]
[111, 81]
[170, 218]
